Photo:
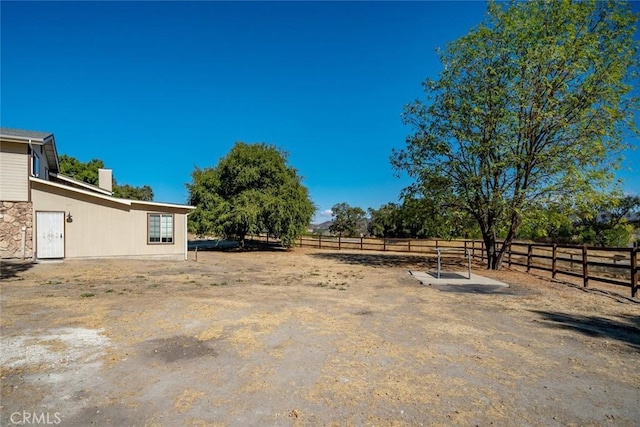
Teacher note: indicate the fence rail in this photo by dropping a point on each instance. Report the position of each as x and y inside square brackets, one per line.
[615, 266]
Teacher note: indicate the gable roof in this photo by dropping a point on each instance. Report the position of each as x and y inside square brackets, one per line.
[25, 134]
[45, 139]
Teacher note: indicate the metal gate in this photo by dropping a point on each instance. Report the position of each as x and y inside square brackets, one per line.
[50, 235]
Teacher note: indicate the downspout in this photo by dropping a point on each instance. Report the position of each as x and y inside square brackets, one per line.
[24, 242]
[33, 221]
[31, 153]
[186, 237]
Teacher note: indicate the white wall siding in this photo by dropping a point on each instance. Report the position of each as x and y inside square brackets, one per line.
[14, 172]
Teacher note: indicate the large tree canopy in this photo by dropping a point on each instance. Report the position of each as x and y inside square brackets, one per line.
[347, 220]
[88, 172]
[252, 190]
[420, 218]
[606, 223]
[533, 106]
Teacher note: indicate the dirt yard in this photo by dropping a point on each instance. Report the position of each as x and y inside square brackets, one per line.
[309, 337]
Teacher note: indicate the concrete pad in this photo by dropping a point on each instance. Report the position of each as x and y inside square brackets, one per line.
[459, 282]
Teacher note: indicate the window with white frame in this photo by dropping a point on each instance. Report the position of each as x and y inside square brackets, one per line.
[160, 228]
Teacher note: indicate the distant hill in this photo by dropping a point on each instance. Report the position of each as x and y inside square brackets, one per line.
[323, 227]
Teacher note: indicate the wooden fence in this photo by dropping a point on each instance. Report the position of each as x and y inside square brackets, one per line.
[616, 266]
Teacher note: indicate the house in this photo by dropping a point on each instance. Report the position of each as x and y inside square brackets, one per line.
[46, 215]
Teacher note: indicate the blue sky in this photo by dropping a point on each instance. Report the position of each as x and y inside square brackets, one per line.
[156, 88]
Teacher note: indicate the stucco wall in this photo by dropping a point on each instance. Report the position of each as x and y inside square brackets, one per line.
[13, 217]
[103, 228]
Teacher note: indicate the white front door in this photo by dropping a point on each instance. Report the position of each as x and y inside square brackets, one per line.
[50, 235]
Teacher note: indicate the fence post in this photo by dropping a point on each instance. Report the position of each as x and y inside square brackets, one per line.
[301, 240]
[319, 241]
[529, 253]
[339, 241]
[509, 254]
[571, 262]
[554, 269]
[361, 246]
[409, 247]
[585, 266]
[473, 249]
[384, 244]
[634, 271]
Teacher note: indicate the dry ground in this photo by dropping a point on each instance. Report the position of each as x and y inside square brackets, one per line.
[310, 337]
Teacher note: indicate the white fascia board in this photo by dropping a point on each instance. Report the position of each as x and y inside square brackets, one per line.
[160, 205]
[83, 184]
[79, 191]
[54, 150]
[22, 139]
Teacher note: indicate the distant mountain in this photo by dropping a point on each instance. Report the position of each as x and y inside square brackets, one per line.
[323, 226]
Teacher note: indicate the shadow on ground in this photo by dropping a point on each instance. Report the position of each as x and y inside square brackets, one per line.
[387, 260]
[626, 329]
[233, 245]
[476, 289]
[211, 245]
[617, 296]
[447, 275]
[12, 269]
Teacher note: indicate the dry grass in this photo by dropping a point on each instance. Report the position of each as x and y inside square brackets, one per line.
[311, 337]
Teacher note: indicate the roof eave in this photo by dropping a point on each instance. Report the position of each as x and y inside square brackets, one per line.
[126, 202]
[161, 204]
[52, 153]
[80, 191]
[82, 184]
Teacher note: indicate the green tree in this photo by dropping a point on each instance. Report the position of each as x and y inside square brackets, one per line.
[347, 220]
[251, 190]
[85, 172]
[88, 172]
[419, 217]
[606, 223]
[385, 221]
[551, 223]
[425, 217]
[127, 191]
[532, 105]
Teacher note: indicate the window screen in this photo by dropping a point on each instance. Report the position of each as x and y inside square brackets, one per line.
[160, 228]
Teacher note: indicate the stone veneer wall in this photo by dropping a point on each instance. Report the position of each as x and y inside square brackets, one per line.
[13, 216]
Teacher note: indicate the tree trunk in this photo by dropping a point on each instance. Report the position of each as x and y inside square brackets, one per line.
[494, 256]
[495, 261]
[490, 245]
[498, 256]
